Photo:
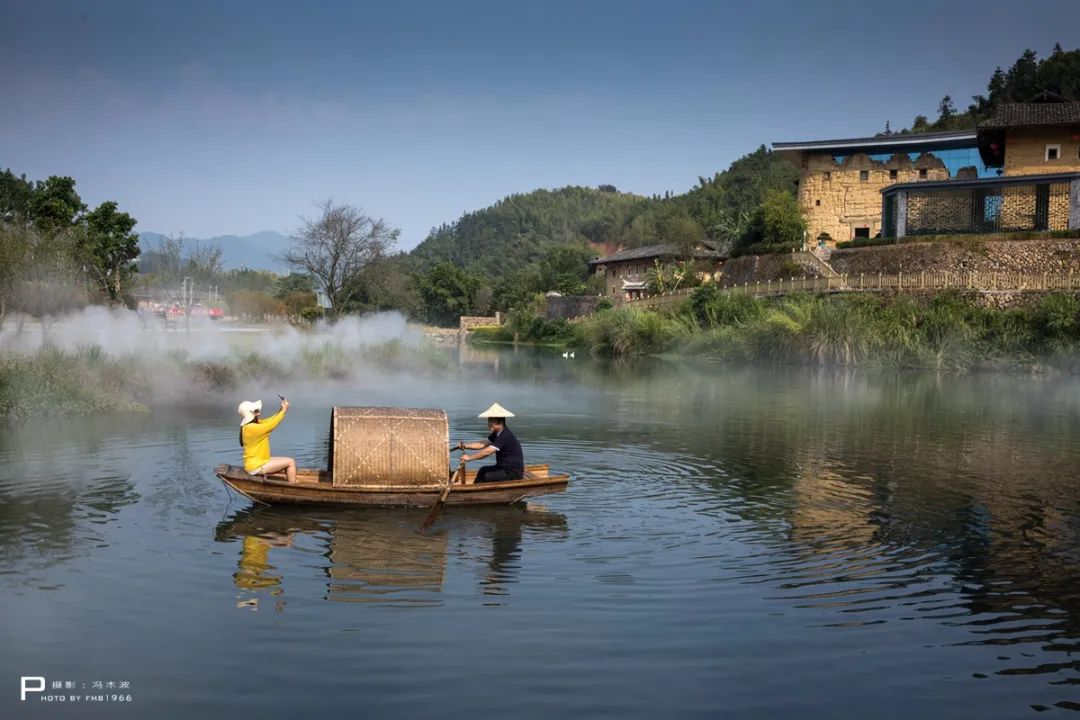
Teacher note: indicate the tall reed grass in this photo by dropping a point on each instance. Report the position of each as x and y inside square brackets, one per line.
[947, 332]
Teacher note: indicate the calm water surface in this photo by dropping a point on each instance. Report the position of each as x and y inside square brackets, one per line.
[743, 543]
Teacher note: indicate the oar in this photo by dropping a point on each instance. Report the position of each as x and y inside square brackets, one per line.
[438, 506]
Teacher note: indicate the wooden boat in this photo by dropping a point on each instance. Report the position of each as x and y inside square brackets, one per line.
[314, 486]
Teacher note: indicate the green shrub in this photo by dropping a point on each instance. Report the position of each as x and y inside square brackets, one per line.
[712, 306]
[312, 314]
[790, 269]
[629, 330]
[865, 242]
[1055, 320]
[527, 327]
[498, 333]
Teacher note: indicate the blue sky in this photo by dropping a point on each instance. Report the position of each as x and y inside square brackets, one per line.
[232, 117]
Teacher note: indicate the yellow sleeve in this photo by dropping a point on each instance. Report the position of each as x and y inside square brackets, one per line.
[263, 427]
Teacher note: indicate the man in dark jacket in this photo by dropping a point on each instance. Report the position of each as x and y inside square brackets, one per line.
[503, 444]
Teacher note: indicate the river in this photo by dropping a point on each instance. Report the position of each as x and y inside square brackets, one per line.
[734, 542]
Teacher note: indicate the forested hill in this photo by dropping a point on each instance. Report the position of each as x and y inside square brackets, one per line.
[519, 230]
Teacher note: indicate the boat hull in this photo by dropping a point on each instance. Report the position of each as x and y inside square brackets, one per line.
[313, 487]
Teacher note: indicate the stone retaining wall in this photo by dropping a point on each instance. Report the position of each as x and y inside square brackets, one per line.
[997, 299]
[1025, 256]
[468, 322]
[762, 268]
[564, 307]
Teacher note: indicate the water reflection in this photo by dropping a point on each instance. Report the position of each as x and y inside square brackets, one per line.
[377, 555]
[54, 505]
[732, 528]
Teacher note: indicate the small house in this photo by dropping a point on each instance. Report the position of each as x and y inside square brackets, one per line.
[626, 271]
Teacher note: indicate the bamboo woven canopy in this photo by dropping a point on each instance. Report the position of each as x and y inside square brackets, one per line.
[389, 446]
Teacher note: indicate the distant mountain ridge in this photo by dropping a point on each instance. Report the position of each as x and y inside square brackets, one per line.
[258, 251]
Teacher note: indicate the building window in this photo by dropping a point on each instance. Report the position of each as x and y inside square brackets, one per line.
[892, 174]
[828, 175]
[864, 175]
[817, 203]
[923, 174]
[1053, 152]
[863, 232]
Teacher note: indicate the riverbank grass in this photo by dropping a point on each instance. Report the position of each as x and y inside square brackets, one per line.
[947, 331]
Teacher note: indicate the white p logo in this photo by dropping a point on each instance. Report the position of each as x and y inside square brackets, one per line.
[25, 682]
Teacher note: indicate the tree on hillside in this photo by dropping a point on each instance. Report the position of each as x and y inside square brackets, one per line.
[517, 289]
[448, 292]
[108, 247]
[946, 109]
[337, 247]
[1026, 77]
[517, 230]
[779, 219]
[387, 285]
[682, 233]
[735, 192]
[563, 269]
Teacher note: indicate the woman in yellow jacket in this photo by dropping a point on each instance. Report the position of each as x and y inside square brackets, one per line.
[255, 439]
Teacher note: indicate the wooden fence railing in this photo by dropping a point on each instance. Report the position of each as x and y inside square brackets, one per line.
[944, 280]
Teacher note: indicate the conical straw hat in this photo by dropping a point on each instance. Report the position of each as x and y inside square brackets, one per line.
[496, 411]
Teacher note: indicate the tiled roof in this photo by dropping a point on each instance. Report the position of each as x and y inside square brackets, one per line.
[650, 251]
[1033, 114]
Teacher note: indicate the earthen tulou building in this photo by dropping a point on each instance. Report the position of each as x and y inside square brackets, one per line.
[1017, 171]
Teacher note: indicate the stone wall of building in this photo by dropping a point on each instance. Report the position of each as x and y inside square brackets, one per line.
[1018, 207]
[1025, 150]
[838, 198]
[939, 211]
[615, 273]
[1026, 256]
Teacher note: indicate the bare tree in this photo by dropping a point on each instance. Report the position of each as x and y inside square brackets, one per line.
[336, 249]
[183, 271]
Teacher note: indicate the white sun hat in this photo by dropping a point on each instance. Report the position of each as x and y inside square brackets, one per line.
[247, 410]
[496, 411]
